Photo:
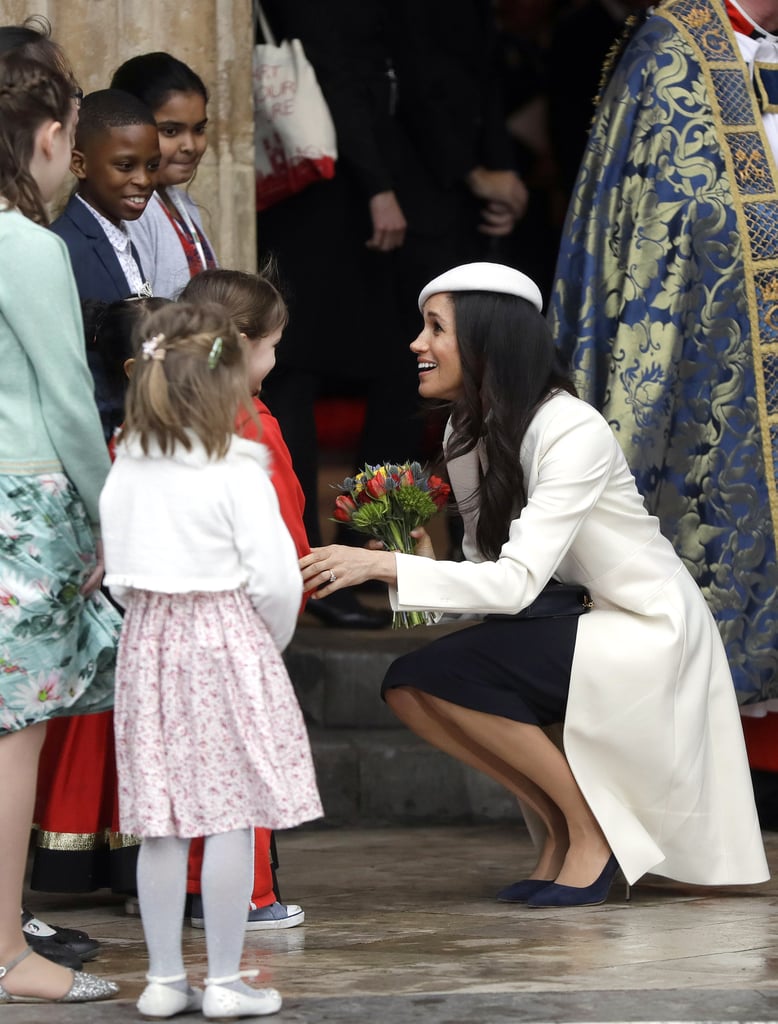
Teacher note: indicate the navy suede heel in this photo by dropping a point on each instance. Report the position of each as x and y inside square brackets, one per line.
[556, 895]
[521, 891]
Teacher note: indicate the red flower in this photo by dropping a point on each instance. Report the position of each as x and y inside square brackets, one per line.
[345, 507]
[376, 486]
[439, 491]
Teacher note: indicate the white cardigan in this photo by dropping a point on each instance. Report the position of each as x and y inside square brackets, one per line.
[652, 731]
[183, 522]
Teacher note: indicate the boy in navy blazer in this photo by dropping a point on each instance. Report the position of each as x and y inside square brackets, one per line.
[115, 159]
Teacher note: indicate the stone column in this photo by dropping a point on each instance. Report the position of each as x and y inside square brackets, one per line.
[215, 37]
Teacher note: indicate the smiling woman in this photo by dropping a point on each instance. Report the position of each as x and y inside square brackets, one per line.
[437, 352]
[170, 235]
[644, 783]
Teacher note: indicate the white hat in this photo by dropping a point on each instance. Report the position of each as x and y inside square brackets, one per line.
[484, 277]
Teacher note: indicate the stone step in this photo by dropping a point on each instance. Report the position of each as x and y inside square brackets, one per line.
[337, 673]
[371, 769]
[390, 776]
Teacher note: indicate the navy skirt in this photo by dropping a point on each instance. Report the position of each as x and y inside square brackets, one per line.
[514, 668]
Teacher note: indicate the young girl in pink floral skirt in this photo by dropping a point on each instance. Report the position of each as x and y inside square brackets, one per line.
[210, 739]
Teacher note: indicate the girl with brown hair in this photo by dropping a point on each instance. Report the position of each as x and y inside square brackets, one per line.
[57, 632]
[210, 739]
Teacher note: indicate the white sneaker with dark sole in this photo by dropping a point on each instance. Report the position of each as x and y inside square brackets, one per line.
[259, 919]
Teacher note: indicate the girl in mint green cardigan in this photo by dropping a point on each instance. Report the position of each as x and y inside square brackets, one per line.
[58, 633]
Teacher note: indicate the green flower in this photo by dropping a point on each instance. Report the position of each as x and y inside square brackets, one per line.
[417, 506]
[372, 516]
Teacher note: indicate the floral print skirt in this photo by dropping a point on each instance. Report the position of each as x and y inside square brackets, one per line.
[209, 734]
[57, 648]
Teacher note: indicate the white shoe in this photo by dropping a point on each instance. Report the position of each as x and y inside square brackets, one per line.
[227, 1003]
[159, 999]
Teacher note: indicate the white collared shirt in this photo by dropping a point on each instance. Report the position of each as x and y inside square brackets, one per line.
[768, 50]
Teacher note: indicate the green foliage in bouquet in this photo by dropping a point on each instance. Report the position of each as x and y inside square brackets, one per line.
[387, 502]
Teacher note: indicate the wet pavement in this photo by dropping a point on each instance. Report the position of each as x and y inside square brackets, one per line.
[402, 927]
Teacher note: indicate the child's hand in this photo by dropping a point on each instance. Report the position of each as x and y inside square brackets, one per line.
[423, 543]
[95, 578]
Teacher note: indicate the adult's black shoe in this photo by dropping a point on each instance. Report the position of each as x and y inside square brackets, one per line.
[79, 942]
[58, 952]
[341, 610]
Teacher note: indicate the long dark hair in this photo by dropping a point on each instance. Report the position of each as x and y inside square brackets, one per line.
[31, 94]
[510, 366]
[109, 329]
[152, 77]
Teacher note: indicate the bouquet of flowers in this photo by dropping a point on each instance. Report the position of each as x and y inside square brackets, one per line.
[387, 502]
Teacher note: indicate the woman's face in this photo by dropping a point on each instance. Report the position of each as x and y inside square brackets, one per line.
[181, 123]
[261, 358]
[437, 351]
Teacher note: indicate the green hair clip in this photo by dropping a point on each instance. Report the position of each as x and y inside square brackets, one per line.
[215, 353]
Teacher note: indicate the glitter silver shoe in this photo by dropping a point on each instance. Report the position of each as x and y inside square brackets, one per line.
[86, 988]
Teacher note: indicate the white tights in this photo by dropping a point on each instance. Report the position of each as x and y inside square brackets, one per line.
[226, 881]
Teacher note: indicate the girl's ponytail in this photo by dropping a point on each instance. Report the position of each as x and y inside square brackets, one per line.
[159, 406]
[189, 377]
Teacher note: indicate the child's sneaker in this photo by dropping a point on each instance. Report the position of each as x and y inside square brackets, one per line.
[277, 915]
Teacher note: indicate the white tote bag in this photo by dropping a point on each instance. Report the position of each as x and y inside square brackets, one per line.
[294, 137]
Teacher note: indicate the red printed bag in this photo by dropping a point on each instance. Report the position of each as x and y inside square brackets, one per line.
[294, 137]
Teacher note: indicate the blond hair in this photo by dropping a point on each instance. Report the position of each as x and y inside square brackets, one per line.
[189, 376]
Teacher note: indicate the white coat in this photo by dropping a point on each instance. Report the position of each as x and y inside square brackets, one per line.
[652, 730]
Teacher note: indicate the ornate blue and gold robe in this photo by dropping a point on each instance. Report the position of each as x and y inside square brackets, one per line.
[666, 299]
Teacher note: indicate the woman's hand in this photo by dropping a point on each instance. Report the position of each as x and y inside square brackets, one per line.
[336, 566]
[95, 578]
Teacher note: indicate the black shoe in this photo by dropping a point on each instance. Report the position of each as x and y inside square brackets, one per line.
[57, 952]
[343, 611]
[77, 941]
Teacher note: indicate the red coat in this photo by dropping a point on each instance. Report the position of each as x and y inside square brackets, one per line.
[287, 486]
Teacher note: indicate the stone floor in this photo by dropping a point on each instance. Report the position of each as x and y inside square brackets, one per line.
[402, 927]
[401, 922]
